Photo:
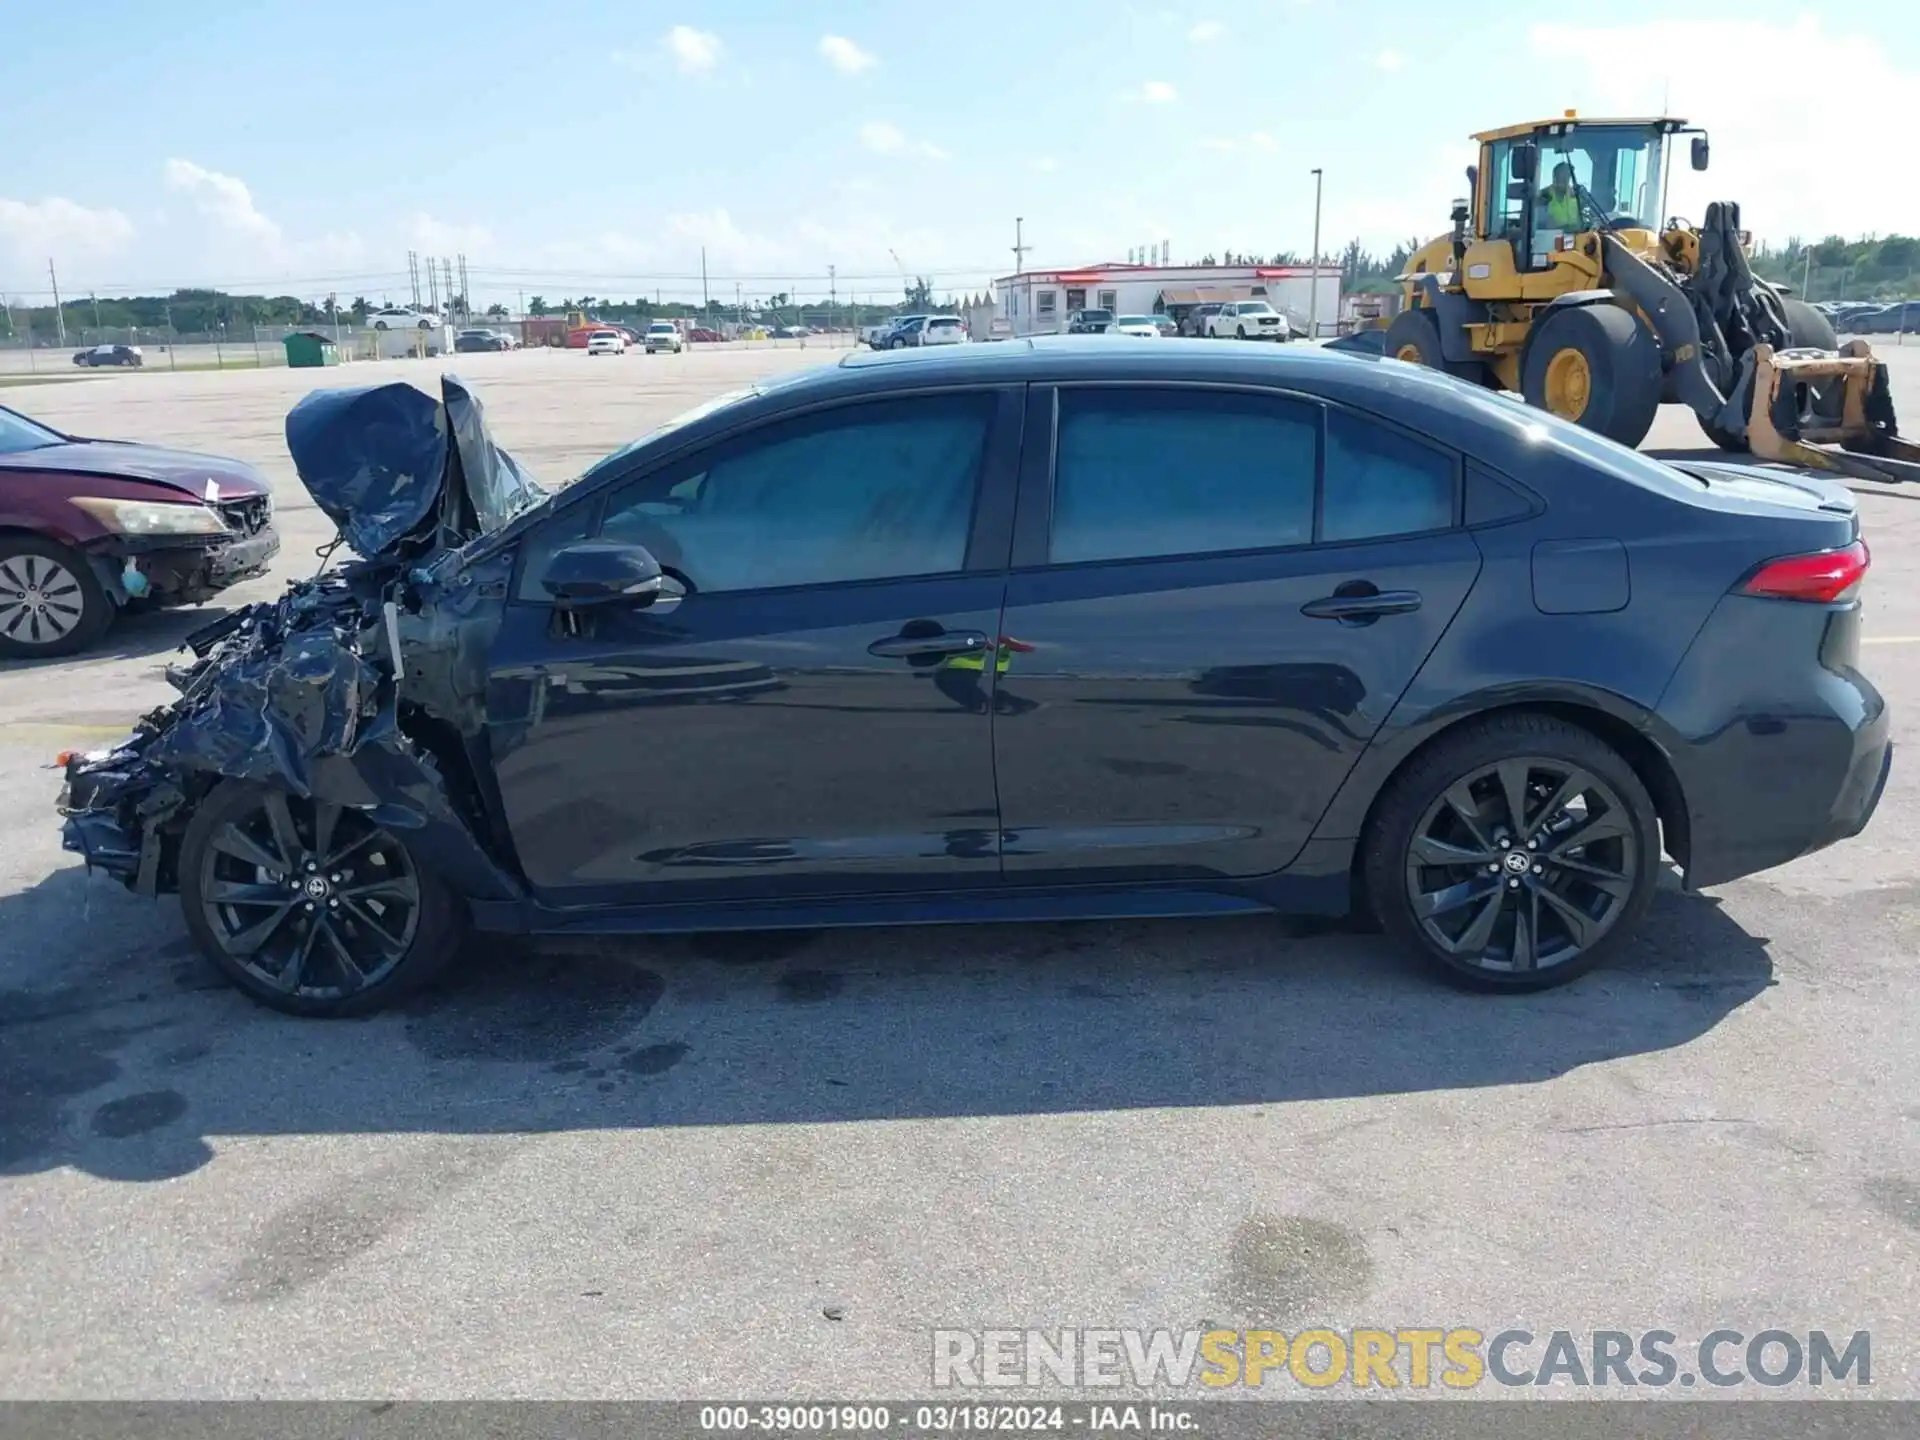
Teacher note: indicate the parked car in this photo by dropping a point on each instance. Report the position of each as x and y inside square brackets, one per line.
[1165, 325]
[1361, 632]
[1194, 323]
[942, 330]
[905, 333]
[1248, 320]
[1887, 319]
[791, 332]
[398, 317]
[475, 341]
[664, 335]
[1089, 322]
[110, 355]
[606, 342]
[1140, 326]
[90, 528]
[701, 335]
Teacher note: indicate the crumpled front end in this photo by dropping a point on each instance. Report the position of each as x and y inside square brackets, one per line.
[356, 687]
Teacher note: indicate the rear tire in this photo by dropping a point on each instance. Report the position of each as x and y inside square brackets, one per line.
[1434, 841]
[395, 929]
[36, 573]
[1414, 337]
[1596, 366]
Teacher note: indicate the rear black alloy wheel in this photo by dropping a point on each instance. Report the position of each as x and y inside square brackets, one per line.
[1512, 854]
[309, 906]
[1521, 866]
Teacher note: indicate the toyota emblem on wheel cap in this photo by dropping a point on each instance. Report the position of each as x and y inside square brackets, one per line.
[1516, 862]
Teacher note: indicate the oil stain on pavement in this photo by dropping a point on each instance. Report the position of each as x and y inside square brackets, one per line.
[1286, 1267]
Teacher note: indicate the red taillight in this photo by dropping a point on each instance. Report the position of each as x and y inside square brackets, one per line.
[1823, 577]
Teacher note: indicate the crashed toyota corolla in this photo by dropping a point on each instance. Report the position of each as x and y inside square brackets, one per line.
[1023, 631]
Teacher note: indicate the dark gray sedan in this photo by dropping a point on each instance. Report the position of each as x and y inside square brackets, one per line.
[1031, 631]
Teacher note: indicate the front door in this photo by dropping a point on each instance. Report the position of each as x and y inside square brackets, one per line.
[788, 723]
[1204, 634]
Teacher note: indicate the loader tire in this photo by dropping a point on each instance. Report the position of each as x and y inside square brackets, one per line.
[1596, 366]
[1414, 336]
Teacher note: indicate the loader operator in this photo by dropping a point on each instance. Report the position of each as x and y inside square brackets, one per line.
[1561, 200]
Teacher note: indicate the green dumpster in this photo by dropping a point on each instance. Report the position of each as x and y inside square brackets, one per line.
[307, 350]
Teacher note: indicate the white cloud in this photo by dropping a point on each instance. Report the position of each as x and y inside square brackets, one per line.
[1043, 165]
[884, 138]
[1206, 32]
[56, 228]
[845, 56]
[223, 199]
[445, 237]
[1758, 160]
[1155, 92]
[1256, 142]
[237, 234]
[1390, 61]
[694, 51]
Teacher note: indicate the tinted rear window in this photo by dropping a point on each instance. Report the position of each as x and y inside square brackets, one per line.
[1144, 472]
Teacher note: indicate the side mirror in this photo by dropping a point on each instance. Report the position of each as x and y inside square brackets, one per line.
[1701, 152]
[602, 572]
[1526, 160]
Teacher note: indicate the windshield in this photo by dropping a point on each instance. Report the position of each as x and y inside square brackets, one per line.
[1613, 170]
[17, 433]
[660, 327]
[1136, 320]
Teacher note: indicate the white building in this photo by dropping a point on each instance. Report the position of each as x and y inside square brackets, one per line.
[1039, 302]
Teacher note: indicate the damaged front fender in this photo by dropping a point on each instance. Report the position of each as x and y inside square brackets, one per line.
[365, 686]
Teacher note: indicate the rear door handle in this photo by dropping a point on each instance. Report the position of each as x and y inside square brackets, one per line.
[1362, 607]
[914, 647]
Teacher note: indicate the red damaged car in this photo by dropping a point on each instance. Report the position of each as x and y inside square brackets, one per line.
[89, 528]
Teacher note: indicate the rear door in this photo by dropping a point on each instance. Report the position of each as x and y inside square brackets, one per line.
[1218, 595]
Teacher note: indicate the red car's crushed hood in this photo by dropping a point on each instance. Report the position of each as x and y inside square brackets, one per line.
[180, 470]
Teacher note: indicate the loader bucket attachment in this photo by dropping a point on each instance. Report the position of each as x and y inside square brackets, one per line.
[1848, 430]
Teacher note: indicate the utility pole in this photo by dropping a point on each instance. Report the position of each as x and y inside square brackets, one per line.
[1313, 285]
[739, 310]
[1806, 275]
[413, 276]
[833, 295]
[59, 315]
[466, 293]
[1020, 247]
[433, 285]
[704, 299]
[96, 309]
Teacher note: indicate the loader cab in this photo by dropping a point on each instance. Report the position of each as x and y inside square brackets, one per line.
[1538, 186]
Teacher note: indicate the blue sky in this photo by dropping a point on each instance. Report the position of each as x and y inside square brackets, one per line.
[582, 145]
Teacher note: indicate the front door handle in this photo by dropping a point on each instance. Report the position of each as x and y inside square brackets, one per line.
[943, 642]
[1358, 606]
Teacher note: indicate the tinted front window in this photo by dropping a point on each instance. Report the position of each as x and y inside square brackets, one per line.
[1141, 472]
[1381, 482]
[861, 492]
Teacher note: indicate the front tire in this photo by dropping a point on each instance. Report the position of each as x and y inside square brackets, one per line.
[1597, 366]
[1514, 854]
[1414, 338]
[50, 602]
[310, 908]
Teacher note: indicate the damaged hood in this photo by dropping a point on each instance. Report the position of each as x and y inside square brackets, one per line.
[397, 470]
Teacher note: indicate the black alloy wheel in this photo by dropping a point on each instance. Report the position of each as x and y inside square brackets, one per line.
[309, 906]
[1514, 853]
[1522, 866]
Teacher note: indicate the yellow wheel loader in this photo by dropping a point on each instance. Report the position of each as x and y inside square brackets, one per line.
[1563, 281]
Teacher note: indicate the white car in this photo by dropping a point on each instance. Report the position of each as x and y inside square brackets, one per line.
[942, 330]
[665, 335]
[398, 317]
[1140, 326]
[606, 342]
[1249, 320]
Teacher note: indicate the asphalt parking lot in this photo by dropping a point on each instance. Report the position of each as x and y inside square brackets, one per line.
[769, 1166]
